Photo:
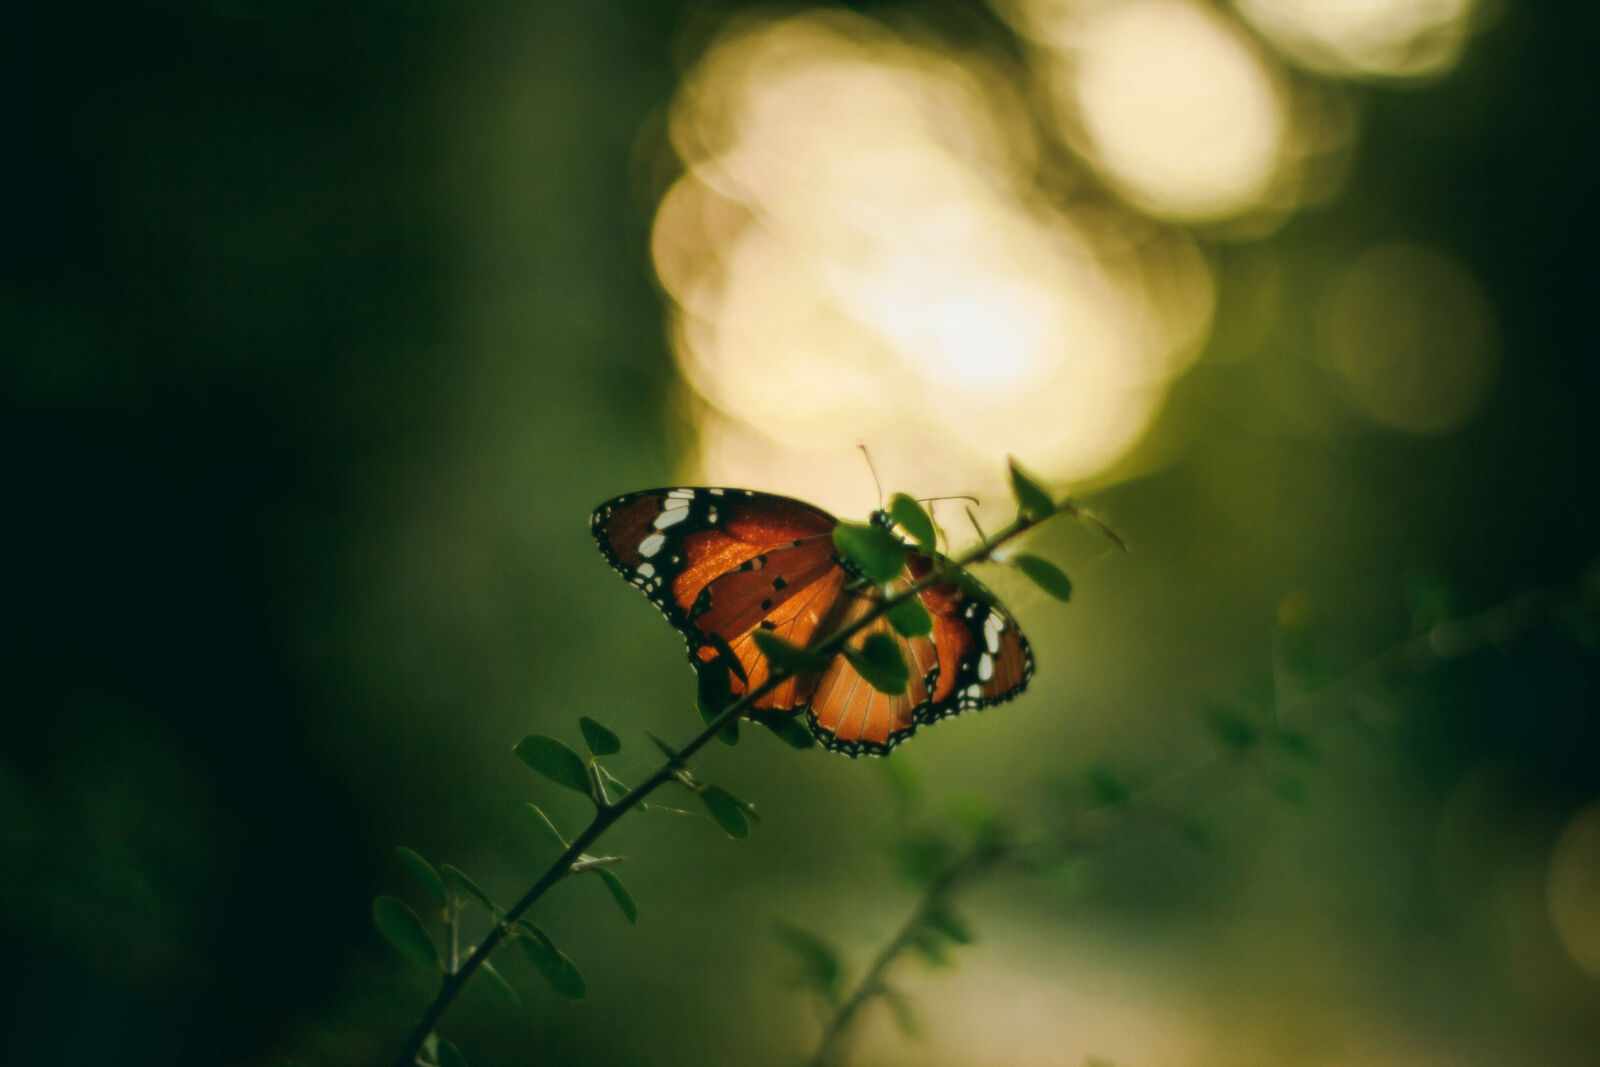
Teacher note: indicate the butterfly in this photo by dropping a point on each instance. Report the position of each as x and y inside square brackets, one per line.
[722, 564]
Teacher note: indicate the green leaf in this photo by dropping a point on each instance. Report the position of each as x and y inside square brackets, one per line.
[1296, 744]
[820, 969]
[913, 520]
[425, 873]
[468, 886]
[790, 729]
[951, 925]
[1033, 500]
[562, 974]
[871, 549]
[601, 742]
[555, 761]
[449, 1056]
[619, 892]
[924, 856]
[910, 618]
[879, 661]
[546, 827]
[498, 980]
[1045, 575]
[931, 947]
[729, 811]
[401, 928]
[1106, 788]
[784, 656]
[1288, 787]
[904, 1013]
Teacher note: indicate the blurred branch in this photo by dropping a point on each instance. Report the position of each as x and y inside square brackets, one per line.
[1437, 644]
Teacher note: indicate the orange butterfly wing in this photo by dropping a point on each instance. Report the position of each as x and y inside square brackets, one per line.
[724, 563]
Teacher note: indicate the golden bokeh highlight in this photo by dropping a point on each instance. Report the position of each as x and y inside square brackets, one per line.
[1169, 100]
[857, 252]
[1411, 336]
[1385, 39]
[1573, 888]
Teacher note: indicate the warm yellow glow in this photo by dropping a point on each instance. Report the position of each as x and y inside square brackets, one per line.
[1375, 38]
[1412, 337]
[1169, 100]
[1574, 889]
[857, 253]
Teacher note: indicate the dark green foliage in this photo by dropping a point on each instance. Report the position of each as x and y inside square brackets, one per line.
[910, 618]
[879, 661]
[922, 856]
[1105, 788]
[927, 943]
[498, 980]
[557, 969]
[601, 741]
[790, 730]
[1290, 788]
[401, 928]
[1297, 744]
[555, 761]
[1231, 729]
[729, 811]
[1033, 501]
[714, 692]
[872, 550]
[914, 520]
[943, 919]
[820, 970]
[448, 1055]
[546, 827]
[619, 893]
[459, 878]
[424, 872]
[903, 1012]
[784, 656]
[1045, 575]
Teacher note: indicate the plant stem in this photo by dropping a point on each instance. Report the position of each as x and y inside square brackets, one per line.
[871, 983]
[608, 813]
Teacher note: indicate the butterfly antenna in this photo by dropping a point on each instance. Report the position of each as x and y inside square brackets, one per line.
[875, 481]
[935, 499]
[974, 520]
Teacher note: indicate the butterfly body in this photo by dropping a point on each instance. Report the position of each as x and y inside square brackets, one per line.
[722, 564]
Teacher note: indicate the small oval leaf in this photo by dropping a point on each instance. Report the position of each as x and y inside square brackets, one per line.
[448, 1055]
[401, 928]
[790, 729]
[879, 661]
[459, 877]
[1045, 575]
[555, 761]
[787, 657]
[820, 967]
[546, 827]
[951, 925]
[728, 811]
[424, 872]
[1033, 501]
[601, 741]
[498, 980]
[557, 969]
[913, 520]
[871, 549]
[619, 893]
[910, 618]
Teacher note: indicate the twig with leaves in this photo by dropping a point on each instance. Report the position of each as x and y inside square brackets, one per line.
[879, 556]
[1259, 740]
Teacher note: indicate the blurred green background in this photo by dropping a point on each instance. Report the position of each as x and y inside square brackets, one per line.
[325, 326]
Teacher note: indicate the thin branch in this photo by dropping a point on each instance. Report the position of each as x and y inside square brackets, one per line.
[608, 813]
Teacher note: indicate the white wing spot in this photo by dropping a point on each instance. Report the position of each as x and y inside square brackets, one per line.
[651, 545]
[711, 516]
[667, 518]
[993, 626]
[975, 690]
[684, 495]
[714, 492]
[645, 570]
[985, 667]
